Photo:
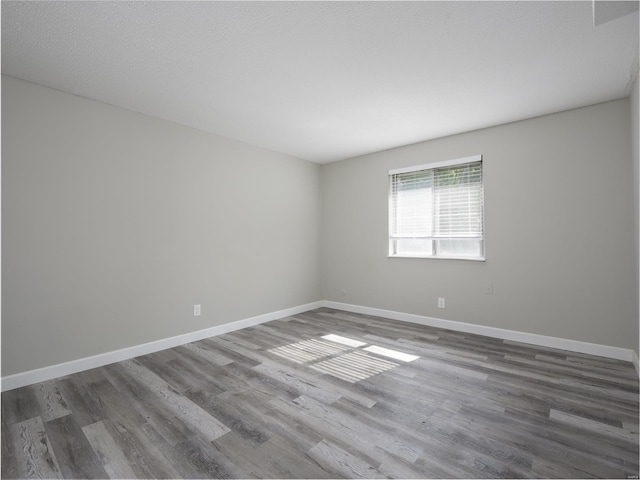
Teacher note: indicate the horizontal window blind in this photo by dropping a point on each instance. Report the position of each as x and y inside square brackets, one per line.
[412, 197]
[437, 205]
[458, 201]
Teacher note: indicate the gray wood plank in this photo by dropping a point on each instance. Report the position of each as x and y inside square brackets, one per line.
[357, 431]
[80, 401]
[19, 405]
[113, 459]
[139, 406]
[223, 407]
[201, 459]
[333, 458]
[142, 447]
[76, 458]
[275, 458]
[589, 425]
[34, 456]
[52, 405]
[8, 461]
[183, 408]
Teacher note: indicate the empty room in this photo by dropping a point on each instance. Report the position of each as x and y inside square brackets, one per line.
[320, 239]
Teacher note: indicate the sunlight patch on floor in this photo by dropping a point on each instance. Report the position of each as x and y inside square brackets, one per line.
[354, 366]
[348, 361]
[343, 340]
[385, 352]
[308, 350]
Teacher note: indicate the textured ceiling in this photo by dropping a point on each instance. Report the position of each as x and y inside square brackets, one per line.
[325, 81]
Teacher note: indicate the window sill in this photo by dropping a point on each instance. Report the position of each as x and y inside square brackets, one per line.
[440, 257]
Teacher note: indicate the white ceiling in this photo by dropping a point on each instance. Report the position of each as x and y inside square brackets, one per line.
[325, 81]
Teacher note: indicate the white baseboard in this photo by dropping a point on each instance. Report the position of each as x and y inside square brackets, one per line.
[530, 338]
[47, 373]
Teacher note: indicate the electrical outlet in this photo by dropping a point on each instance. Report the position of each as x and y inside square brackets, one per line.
[196, 310]
[440, 302]
[343, 293]
[489, 290]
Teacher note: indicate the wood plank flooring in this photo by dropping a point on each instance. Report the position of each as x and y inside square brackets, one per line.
[280, 400]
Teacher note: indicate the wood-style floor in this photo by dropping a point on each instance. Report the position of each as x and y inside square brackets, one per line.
[280, 400]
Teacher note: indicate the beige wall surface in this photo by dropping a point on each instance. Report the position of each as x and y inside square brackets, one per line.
[559, 230]
[114, 224]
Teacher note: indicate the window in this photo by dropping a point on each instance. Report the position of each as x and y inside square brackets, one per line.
[437, 210]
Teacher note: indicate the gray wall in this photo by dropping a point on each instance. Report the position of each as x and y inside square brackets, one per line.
[559, 230]
[634, 101]
[114, 224]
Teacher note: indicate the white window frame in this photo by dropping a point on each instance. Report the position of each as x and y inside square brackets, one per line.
[431, 166]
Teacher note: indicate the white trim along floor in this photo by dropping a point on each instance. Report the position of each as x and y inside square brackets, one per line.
[48, 373]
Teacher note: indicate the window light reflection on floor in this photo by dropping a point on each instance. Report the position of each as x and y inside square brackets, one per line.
[352, 366]
[343, 340]
[385, 352]
[308, 350]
